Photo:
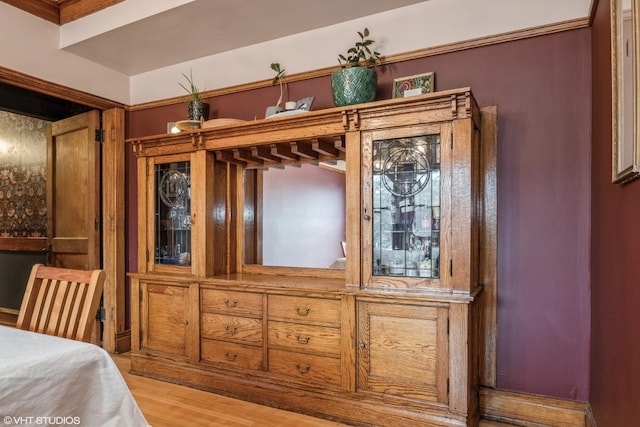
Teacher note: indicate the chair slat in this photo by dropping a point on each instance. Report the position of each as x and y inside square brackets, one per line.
[56, 306]
[48, 292]
[67, 311]
[76, 309]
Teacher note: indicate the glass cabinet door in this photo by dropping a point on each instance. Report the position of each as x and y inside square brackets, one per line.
[172, 237]
[403, 207]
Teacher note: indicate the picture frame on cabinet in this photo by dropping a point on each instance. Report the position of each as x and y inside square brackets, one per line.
[625, 78]
[417, 84]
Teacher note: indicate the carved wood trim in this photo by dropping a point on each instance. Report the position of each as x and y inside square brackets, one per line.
[113, 226]
[25, 81]
[489, 247]
[27, 244]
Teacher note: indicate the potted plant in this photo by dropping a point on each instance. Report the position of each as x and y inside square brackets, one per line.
[356, 82]
[196, 108]
[279, 78]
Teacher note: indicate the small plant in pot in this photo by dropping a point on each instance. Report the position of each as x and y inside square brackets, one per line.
[196, 108]
[279, 78]
[356, 82]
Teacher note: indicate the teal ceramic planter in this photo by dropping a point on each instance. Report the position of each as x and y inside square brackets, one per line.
[353, 85]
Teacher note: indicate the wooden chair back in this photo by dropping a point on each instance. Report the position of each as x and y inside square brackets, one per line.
[61, 302]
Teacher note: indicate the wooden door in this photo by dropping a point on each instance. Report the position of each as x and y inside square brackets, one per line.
[73, 192]
[403, 350]
[169, 319]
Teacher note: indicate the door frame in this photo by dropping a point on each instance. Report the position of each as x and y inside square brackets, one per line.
[116, 336]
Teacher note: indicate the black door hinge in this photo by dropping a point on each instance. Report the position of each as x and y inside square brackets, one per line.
[100, 135]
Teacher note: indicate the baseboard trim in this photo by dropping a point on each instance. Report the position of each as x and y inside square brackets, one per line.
[123, 342]
[591, 421]
[531, 410]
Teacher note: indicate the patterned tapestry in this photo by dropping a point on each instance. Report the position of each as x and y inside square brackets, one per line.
[23, 164]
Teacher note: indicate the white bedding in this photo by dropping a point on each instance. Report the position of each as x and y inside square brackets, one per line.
[46, 380]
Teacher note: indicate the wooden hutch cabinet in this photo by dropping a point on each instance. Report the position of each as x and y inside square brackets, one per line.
[392, 336]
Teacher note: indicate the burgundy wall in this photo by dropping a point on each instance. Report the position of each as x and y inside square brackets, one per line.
[615, 245]
[542, 88]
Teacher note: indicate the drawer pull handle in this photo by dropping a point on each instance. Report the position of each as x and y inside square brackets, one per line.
[230, 330]
[302, 312]
[302, 370]
[230, 304]
[230, 357]
[303, 340]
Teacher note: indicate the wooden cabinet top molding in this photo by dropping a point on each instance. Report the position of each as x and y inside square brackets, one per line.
[309, 137]
[264, 283]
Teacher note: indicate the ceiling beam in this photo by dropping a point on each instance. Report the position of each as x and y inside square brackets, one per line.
[62, 11]
[70, 10]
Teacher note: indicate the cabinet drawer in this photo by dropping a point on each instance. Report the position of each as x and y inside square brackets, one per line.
[303, 309]
[232, 328]
[304, 338]
[307, 367]
[232, 354]
[229, 302]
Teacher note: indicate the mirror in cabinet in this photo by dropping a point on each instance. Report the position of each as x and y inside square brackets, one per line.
[294, 216]
[172, 217]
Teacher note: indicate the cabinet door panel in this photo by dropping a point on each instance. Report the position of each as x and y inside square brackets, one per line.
[166, 318]
[403, 350]
[171, 198]
[406, 210]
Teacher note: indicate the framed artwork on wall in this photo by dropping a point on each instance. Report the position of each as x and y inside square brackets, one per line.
[625, 48]
[413, 85]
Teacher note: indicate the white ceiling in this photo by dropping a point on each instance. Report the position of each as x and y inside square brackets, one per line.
[201, 28]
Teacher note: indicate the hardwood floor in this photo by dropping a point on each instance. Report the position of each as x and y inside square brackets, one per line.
[167, 405]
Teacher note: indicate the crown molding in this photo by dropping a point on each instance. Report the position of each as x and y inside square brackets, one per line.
[390, 59]
[15, 78]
